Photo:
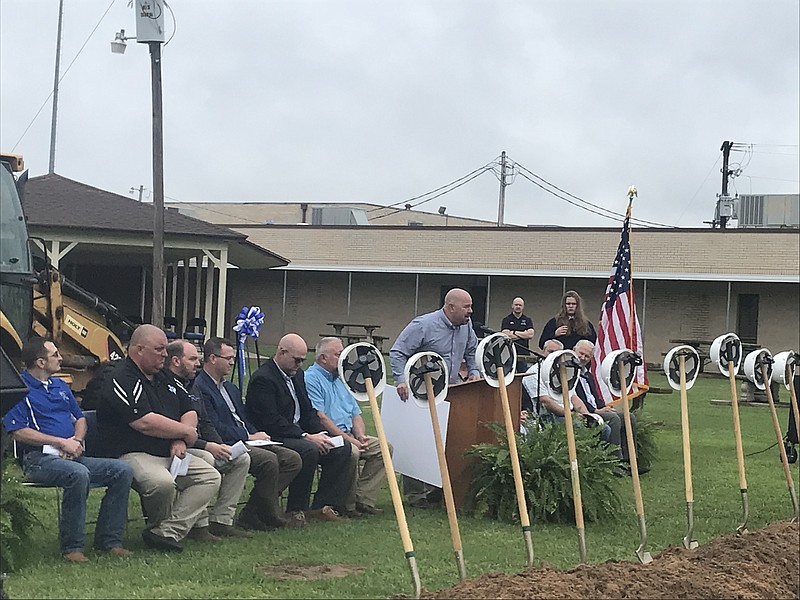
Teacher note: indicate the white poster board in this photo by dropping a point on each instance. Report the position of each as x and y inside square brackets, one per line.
[408, 428]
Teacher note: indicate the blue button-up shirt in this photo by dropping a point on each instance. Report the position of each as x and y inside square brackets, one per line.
[50, 408]
[433, 332]
[329, 394]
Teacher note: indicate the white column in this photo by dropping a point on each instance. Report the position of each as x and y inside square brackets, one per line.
[143, 293]
[283, 304]
[223, 287]
[644, 309]
[198, 261]
[174, 294]
[55, 245]
[185, 303]
[416, 294]
[209, 300]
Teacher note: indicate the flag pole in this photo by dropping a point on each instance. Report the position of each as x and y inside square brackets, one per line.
[632, 193]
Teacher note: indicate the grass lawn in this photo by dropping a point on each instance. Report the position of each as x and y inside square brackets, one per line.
[231, 569]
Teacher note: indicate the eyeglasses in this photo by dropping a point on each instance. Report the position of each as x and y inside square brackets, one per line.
[228, 358]
[298, 360]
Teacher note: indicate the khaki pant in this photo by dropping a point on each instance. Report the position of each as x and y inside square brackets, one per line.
[172, 506]
[369, 474]
[234, 476]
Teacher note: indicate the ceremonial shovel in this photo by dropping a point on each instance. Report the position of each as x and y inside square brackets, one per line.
[726, 353]
[681, 353]
[420, 371]
[558, 362]
[360, 366]
[761, 361]
[493, 353]
[613, 370]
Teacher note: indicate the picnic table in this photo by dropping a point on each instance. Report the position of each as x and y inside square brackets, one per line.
[339, 328]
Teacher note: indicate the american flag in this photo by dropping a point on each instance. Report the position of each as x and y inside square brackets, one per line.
[619, 325]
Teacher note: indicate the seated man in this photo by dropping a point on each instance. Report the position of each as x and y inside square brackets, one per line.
[147, 421]
[340, 415]
[535, 384]
[50, 430]
[274, 467]
[586, 390]
[216, 522]
[277, 403]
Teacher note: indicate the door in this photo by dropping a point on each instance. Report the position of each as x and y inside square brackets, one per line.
[747, 318]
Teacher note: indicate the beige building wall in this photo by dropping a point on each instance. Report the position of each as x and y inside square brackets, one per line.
[667, 309]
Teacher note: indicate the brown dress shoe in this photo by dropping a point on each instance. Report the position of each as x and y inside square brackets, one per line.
[222, 530]
[77, 557]
[202, 534]
[326, 513]
[119, 551]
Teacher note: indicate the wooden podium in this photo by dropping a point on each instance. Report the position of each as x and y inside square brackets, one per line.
[472, 404]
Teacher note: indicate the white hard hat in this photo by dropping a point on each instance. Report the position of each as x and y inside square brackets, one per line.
[551, 369]
[502, 345]
[610, 373]
[415, 370]
[726, 348]
[752, 367]
[356, 363]
[672, 366]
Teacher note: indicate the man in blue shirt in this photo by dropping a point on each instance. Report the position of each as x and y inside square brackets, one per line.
[50, 429]
[448, 332]
[340, 415]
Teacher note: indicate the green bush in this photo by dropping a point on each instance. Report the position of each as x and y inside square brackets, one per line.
[17, 520]
[646, 447]
[544, 462]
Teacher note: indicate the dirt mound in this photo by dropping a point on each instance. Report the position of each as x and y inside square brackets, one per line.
[761, 564]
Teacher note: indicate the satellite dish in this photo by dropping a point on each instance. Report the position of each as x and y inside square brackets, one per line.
[783, 369]
[415, 370]
[609, 371]
[691, 366]
[752, 367]
[726, 348]
[497, 350]
[356, 363]
[551, 367]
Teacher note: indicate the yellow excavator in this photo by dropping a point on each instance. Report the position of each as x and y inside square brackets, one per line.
[36, 299]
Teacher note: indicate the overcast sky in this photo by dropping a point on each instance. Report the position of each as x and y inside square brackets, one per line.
[381, 101]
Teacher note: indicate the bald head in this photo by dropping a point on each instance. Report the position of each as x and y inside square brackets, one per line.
[457, 306]
[148, 349]
[291, 353]
[517, 306]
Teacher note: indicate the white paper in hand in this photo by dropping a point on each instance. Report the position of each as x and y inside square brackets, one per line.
[257, 443]
[180, 466]
[336, 441]
[238, 449]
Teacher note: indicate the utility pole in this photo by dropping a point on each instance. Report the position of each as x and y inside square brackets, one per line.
[501, 203]
[723, 200]
[53, 121]
[157, 317]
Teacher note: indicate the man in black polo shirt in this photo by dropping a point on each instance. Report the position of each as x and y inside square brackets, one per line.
[519, 327]
[147, 421]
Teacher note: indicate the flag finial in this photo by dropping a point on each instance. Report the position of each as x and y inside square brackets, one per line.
[632, 192]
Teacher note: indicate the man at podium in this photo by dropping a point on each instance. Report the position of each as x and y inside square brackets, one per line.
[448, 332]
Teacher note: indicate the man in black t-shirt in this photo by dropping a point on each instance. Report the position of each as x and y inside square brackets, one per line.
[519, 327]
[148, 421]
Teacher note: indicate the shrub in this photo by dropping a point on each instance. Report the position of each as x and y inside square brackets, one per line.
[544, 462]
[17, 520]
[646, 446]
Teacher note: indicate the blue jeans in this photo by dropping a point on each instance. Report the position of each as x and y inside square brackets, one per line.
[76, 477]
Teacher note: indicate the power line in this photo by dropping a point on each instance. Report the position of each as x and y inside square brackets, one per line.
[398, 210]
[410, 200]
[60, 79]
[611, 214]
